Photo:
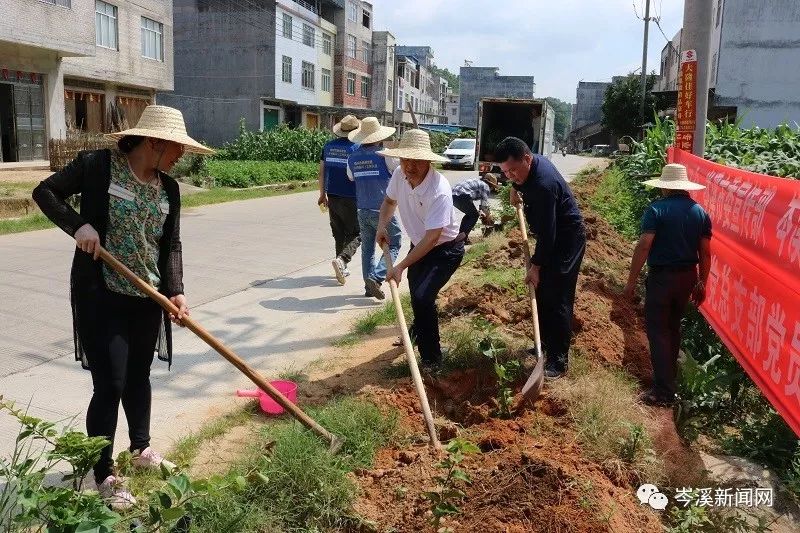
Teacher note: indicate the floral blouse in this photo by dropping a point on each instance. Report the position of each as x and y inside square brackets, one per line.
[136, 216]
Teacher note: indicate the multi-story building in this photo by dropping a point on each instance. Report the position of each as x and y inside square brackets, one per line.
[441, 94]
[479, 82]
[87, 64]
[407, 88]
[451, 109]
[424, 88]
[589, 98]
[353, 65]
[264, 63]
[755, 62]
[383, 75]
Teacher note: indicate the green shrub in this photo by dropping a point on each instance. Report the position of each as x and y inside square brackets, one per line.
[280, 144]
[250, 173]
[190, 164]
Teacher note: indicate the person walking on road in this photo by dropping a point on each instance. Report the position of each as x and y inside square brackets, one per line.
[371, 174]
[130, 206]
[554, 217]
[464, 196]
[675, 238]
[338, 194]
[425, 202]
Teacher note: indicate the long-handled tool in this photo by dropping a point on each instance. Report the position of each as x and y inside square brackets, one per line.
[412, 359]
[334, 441]
[533, 387]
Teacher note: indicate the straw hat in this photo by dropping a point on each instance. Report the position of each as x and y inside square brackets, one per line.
[415, 144]
[370, 132]
[346, 125]
[491, 180]
[166, 123]
[674, 176]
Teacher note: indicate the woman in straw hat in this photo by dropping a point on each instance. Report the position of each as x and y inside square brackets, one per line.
[371, 174]
[130, 206]
[675, 238]
[425, 202]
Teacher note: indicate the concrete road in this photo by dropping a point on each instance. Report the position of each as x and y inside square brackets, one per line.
[257, 275]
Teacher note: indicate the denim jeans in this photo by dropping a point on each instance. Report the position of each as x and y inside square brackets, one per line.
[368, 222]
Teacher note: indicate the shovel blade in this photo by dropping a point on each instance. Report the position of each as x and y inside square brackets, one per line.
[533, 386]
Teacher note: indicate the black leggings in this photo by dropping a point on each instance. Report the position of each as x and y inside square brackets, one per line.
[119, 357]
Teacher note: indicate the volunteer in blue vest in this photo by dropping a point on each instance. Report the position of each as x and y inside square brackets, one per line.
[554, 217]
[425, 202]
[338, 194]
[675, 238]
[371, 174]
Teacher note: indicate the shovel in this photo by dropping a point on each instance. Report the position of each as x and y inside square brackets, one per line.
[412, 359]
[533, 386]
[335, 443]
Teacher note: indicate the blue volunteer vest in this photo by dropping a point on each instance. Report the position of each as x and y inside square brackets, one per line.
[371, 177]
[335, 154]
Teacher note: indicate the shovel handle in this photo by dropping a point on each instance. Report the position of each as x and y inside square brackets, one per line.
[254, 376]
[533, 385]
[412, 359]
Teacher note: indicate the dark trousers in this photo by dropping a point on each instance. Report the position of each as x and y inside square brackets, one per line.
[555, 298]
[464, 203]
[667, 295]
[426, 278]
[344, 225]
[120, 355]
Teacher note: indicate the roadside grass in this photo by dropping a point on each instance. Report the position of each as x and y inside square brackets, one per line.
[367, 324]
[294, 374]
[17, 188]
[611, 425]
[38, 221]
[302, 486]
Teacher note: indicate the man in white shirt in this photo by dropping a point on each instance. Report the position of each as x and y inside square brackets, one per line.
[425, 202]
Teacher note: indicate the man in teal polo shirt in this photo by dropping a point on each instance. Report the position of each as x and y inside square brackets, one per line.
[675, 238]
[338, 194]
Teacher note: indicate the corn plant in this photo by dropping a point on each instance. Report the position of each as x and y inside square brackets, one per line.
[280, 144]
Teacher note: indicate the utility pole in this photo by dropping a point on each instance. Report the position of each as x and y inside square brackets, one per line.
[644, 58]
[697, 25]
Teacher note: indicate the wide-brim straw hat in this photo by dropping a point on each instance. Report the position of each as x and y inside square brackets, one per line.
[370, 132]
[674, 176]
[414, 144]
[491, 180]
[346, 125]
[166, 123]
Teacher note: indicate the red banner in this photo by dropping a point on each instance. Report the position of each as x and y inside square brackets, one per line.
[753, 295]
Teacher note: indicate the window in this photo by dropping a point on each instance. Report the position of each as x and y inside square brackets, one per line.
[351, 46]
[351, 83]
[364, 87]
[62, 3]
[352, 11]
[286, 70]
[390, 91]
[308, 75]
[308, 35]
[152, 39]
[366, 52]
[365, 16]
[327, 44]
[719, 12]
[287, 26]
[326, 80]
[106, 31]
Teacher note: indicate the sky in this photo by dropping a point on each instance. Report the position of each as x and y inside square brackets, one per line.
[559, 42]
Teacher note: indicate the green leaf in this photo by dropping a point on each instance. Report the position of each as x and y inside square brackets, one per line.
[170, 515]
[241, 482]
[164, 500]
[462, 476]
[179, 485]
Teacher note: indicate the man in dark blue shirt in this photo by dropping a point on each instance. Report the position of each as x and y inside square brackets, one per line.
[553, 216]
[675, 237]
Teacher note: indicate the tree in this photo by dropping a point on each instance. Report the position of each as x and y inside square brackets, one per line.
[563, 111]
[622, 105]
[452, 79]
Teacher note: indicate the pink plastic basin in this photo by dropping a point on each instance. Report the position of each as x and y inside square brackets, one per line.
[268, 405]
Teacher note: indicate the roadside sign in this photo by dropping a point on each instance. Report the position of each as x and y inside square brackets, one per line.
[685, 114]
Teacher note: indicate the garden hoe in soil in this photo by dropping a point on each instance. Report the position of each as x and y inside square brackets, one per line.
[335, 443]
[533, 386]
[412, 359]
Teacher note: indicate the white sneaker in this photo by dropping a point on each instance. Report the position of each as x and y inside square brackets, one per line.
[149, 458]
[340, 269]
[115, 494]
